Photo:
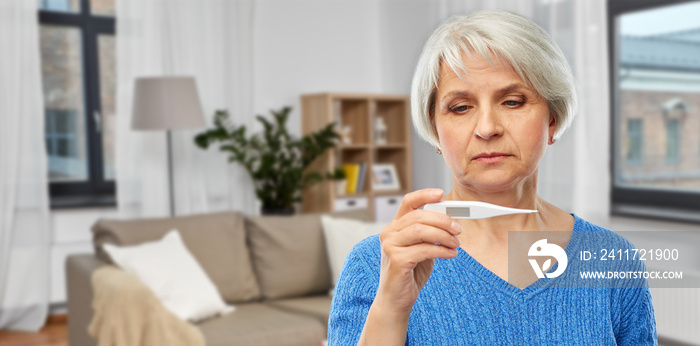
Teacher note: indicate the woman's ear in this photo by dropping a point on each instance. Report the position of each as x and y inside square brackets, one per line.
[552, 129]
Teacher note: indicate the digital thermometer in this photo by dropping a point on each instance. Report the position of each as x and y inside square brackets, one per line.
[473, 209]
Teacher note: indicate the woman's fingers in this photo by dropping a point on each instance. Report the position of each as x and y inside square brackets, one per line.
[412, 255]
[419, 233]
[413, 226]
[429, 218]
[416, 199]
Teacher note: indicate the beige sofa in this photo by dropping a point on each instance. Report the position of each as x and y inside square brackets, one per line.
[274, 269]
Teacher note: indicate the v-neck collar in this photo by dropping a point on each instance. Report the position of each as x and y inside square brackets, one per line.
[498, 283]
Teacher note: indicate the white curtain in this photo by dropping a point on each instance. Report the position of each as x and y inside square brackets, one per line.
[24, 226]
[574, 173]
[212, 41]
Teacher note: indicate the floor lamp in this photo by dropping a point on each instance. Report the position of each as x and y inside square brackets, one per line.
[167, 103]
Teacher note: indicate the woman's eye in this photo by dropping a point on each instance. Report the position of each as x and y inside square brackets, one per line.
[512, 103]
[459, 109]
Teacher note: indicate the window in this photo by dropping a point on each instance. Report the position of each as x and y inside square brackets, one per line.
[634, 141]
[673, 139]
[655, 85]
[78, 75]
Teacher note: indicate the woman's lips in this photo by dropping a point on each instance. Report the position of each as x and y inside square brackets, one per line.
[490, 158]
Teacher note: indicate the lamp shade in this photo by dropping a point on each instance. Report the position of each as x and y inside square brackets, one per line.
[166, 103]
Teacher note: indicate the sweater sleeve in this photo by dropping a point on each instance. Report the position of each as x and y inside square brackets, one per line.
[354, 293]
[637, 325]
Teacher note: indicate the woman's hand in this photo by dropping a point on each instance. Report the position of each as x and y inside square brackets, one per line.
[409, 248]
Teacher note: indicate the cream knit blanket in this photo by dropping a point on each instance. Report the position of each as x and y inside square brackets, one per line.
[127, 313]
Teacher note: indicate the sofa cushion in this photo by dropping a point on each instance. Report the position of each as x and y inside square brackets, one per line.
[289, 255]
[318, 307]
[341, 235]
[216, 240]
[261, 325]
[173, 275]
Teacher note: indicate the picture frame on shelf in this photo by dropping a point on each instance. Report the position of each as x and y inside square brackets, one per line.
[384, 177]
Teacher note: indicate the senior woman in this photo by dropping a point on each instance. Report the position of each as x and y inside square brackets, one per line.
[491, 91]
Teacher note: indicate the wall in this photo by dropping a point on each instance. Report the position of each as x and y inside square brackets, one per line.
[404, 27]
[342, 46]
[311, 46]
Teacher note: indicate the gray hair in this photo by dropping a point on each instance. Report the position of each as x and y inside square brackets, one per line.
[516, 40]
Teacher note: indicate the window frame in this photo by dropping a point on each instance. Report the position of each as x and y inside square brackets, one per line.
[95, 191]
[640, 202]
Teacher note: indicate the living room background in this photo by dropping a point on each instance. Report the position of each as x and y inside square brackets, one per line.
[307, 46]
[364, 46]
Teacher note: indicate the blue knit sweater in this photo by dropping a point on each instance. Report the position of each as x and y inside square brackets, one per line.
[463, 303]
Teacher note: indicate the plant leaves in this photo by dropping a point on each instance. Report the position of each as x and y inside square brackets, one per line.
[274, 159]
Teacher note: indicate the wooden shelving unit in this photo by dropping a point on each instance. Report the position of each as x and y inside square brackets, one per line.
[359, 112]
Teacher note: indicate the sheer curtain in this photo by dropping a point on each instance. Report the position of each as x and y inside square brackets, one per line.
[574, 173]
[24, 215]
[212, 41]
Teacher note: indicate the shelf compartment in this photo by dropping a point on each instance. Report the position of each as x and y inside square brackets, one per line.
[355, 114]
[360, 111]
[395, 117]
[357, 155]
[396, 156]
[353, 155]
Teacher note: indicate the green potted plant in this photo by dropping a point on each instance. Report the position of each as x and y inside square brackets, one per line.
[276, 162]
[340, 181]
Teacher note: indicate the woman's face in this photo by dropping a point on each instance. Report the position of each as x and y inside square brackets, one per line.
[493, 129]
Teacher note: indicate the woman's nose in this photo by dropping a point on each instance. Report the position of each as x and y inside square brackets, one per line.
[488, 124]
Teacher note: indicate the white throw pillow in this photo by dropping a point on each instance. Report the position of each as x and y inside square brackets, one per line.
[174, 275]
[341, 235]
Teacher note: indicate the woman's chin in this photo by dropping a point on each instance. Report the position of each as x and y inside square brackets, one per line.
[493, 184]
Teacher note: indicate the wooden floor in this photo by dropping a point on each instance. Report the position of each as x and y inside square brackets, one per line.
[54, 333]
